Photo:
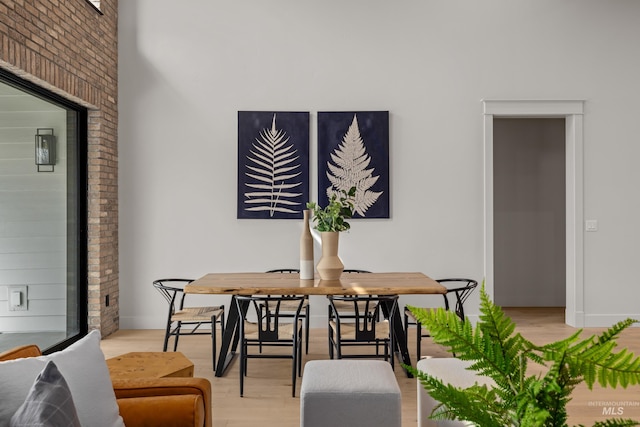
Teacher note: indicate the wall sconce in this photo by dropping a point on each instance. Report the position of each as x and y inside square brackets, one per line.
[45, 149]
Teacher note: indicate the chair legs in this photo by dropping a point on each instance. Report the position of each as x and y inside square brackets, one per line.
[335, 348]
[329, 333]
[336, 342]
[299, 361]
[418, 335]
[191, 317]
[335, 351]
[306, 329]
[406, 329]
[242, 364]
[169, 333]
[166, 336]
[419, 340]
[391, 354]
[296, 363]
[176, 335]
[177, 332]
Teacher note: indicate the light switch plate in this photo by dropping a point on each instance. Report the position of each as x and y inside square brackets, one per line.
[23, 298]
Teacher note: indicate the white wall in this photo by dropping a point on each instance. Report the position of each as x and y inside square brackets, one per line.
[33, 215]
[185, 71]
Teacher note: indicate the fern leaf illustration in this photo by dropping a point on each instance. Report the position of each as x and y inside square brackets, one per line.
[272, 166]
[349, 169]
[278, 186]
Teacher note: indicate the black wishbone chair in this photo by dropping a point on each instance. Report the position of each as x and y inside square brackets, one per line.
[186, 320]
[346, 308]
[288, 308]
[270, 329]
[461, 288]
[361, 326]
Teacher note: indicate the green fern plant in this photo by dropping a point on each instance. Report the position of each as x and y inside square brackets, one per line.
[518, 399]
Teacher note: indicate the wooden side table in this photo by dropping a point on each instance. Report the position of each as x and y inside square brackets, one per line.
[150, 365]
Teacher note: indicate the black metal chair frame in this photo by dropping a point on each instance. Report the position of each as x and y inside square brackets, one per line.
[304, 315]
[364, 318]
[342, 308]
[268, 314]
[461, 293]
[175, 296]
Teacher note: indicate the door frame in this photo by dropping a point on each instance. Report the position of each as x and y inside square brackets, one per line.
[572, 111]
[77, 214]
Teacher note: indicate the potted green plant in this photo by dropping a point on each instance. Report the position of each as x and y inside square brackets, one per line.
[332, 217]
[519, 398]
[330, 221]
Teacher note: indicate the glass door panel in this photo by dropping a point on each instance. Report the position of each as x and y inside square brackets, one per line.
[42, 219]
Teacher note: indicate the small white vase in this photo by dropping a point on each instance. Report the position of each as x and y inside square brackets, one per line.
[306, 249]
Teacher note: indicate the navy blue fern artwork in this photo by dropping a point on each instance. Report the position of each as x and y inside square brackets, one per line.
[353, 151]
[273, 164]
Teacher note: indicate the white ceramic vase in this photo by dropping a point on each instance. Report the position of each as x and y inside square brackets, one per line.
[306, 249]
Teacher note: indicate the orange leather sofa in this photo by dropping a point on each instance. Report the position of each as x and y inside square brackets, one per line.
[152, 401]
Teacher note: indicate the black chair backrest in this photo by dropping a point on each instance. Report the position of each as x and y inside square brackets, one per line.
[366, 312]
[267, 310]
[173, 294]
[355, 270]
[462, 291]
[284, 270]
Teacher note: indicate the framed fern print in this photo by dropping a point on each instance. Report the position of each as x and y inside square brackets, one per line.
[353, 151]
[273, 164]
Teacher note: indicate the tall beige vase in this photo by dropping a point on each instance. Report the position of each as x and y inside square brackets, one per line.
[330, 265]
[306, 249]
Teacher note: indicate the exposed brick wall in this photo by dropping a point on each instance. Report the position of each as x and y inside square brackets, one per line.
[68, 47]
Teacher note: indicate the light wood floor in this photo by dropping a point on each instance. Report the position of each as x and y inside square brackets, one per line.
[267, 398]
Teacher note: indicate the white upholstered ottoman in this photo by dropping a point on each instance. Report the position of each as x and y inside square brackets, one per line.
[449, 370]
[349, 393]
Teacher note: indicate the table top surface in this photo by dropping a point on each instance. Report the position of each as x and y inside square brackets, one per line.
[150, 365]
[290, 283]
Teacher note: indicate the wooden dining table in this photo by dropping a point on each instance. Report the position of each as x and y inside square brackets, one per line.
[396, 283]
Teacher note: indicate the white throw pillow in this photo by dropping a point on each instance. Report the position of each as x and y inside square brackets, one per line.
[83, 366]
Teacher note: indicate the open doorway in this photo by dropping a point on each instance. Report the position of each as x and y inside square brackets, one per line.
[529, 212]
[571, 112]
